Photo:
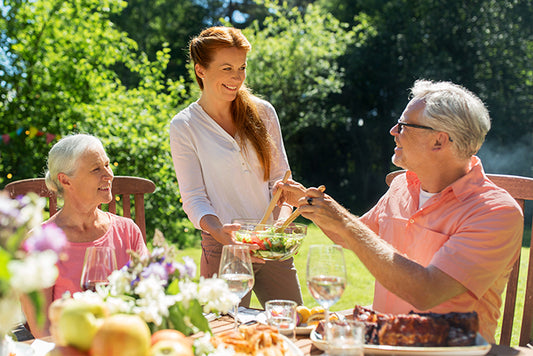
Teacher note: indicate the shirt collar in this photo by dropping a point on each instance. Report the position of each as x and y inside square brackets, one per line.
[461, 187]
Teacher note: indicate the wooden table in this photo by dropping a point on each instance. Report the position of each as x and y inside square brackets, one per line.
[303, 342]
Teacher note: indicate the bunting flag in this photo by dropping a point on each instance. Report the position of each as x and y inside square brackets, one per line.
[31, 134]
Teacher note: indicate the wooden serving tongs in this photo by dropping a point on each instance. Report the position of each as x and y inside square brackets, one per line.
[273, 202]
[295, 214]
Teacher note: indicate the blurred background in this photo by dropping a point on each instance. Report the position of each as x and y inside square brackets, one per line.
[337, 71]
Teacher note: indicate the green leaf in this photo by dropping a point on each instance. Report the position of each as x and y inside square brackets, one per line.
[177, 319]
[198, 319]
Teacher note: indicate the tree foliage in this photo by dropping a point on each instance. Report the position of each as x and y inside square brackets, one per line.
[293, 64]
[337, 71]
[61, 79]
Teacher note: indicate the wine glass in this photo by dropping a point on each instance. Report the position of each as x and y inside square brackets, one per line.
[99, 263]
[326, 275]
[236, 269]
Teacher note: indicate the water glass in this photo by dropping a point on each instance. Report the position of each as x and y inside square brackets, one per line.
[281, 314]
[345, 338]
[236, 269]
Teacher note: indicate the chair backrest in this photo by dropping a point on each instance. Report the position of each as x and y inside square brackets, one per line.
[122, 186]
[521, 189]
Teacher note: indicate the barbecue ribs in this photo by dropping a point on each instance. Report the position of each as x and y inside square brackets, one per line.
[418, 329]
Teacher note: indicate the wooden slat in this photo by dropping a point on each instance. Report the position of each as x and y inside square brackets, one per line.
[112, 206]
[126, 205]
[139, 213]
[527, 315]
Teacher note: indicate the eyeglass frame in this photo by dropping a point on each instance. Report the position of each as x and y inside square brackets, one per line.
[401, 124]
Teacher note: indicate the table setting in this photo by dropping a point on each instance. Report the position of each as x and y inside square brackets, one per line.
[157, 306]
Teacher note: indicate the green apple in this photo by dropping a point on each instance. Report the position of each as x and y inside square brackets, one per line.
[79, 321]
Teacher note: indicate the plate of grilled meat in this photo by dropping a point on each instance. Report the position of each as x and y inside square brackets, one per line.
[421, 334]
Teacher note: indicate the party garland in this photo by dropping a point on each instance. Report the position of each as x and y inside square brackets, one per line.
[32, 132]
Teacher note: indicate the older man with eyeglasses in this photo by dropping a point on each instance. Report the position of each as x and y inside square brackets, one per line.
[443, 238]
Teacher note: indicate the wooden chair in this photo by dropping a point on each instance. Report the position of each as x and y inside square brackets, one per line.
[122, 185]
[520, 188]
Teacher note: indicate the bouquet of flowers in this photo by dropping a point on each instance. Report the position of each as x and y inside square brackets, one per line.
[164, 292]
[28, 253]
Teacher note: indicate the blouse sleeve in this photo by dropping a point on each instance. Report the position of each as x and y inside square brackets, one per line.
[196, 203]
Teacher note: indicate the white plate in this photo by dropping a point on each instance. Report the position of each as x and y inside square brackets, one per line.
[304, 330]
[299, 330]
[293, 350]
[481, 347]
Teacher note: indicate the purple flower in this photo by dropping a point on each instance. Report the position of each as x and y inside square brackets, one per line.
[170, 267]
[47, 237]
[188, 269]
[156, 269]
[190, 266]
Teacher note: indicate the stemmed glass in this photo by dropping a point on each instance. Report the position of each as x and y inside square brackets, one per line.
[236, 269]
[326, 275]
[99, 263]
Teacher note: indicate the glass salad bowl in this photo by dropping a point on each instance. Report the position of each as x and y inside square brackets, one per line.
[275, 243]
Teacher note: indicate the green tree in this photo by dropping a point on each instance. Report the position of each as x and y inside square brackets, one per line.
[61, 79]
[485, 45]
[155, 24]
[294, 65]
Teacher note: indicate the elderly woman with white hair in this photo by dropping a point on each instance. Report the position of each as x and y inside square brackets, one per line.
[80, 173]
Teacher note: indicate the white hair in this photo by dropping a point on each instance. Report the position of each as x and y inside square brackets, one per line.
[64, 158]
[455, 110]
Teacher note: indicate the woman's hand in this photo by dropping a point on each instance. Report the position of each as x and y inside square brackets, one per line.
[225, 233]
[292, 192]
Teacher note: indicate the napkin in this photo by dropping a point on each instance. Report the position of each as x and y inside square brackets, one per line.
[246, 315]
[41, 348]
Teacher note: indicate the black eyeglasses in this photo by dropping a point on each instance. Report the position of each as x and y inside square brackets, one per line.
[402, 124]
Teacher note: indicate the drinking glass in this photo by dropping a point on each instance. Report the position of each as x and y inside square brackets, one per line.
[326, 275]
[281, 314]
[98, 264]
[345, 338]
[236, 269]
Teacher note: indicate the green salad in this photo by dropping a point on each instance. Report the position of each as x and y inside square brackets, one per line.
[273, 244]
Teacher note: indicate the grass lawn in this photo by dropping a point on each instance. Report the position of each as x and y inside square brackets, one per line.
[360, 288]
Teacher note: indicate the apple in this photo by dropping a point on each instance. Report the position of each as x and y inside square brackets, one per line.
[172, 348]
[66, 351]
[78, 322]
[169, 334]
[122, 335]
[54, 312]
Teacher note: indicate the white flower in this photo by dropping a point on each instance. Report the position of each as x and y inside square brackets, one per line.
[89, 297]
[203, 346]
[120, 305]
[10, 313]
[150, 287]
[214, 294]
[120, 282]
[31, 214]
[35, 272]
[188, 291]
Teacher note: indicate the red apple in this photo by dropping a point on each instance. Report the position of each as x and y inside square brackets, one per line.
[172, 348]
[169, 334]
[66, 351]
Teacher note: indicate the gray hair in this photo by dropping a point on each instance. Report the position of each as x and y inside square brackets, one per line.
[64, 157]
[455, 110]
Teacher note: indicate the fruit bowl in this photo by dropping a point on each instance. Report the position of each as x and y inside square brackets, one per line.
[275, 244]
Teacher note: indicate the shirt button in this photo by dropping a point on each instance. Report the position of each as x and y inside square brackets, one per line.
[411, 221]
